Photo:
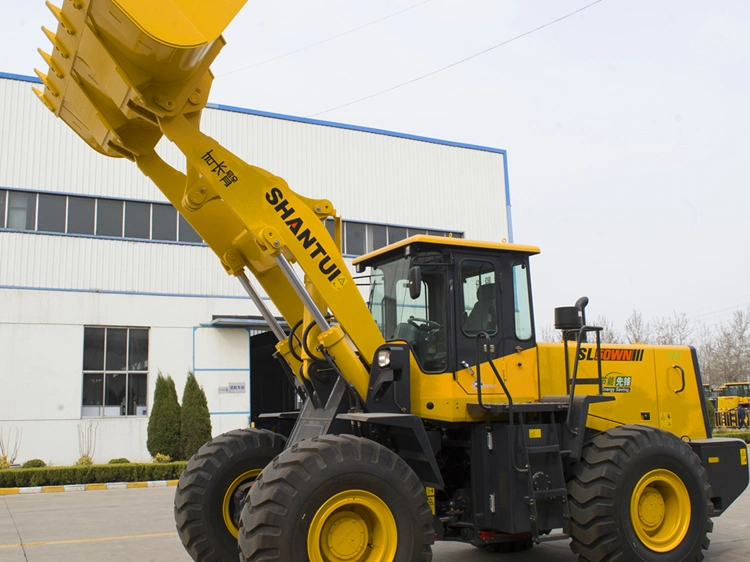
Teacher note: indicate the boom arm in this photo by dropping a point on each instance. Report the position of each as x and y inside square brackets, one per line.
[122, 75]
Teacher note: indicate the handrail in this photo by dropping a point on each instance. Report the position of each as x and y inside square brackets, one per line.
[583, 330]
[499, 378]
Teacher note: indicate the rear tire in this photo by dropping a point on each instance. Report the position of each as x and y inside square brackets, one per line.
[337, 498]
[212, 489]
[639, 494]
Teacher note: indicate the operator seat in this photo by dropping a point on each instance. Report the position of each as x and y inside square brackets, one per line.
[483, 317]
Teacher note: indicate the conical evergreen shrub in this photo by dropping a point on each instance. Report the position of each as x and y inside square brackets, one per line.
[195, 429]
[164, 421]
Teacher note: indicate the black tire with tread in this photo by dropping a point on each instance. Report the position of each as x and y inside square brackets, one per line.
[202, 485]
[602, 482]
[286, 496]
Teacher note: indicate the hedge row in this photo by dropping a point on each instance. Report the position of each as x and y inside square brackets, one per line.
[92, 474]
[744, 435]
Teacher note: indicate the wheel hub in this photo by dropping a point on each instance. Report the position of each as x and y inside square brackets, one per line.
[651, 509]
[660, 510]
[231, 503]
[353, 526]
[345, 536]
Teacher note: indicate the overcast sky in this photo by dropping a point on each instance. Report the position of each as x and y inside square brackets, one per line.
[625, 125]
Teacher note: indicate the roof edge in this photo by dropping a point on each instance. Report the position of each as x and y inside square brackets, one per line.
[295, 119]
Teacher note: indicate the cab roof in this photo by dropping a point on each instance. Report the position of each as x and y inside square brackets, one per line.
[397, 248]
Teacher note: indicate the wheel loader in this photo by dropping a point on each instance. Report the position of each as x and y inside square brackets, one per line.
[430, 412]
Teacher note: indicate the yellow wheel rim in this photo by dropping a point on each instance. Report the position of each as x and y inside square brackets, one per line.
[660, 510]
[353, 526]
[226, 504]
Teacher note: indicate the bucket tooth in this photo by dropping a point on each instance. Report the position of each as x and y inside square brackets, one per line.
[60, 17]
[44, 99]
[47, 82]
[52, 64]
[56, 42]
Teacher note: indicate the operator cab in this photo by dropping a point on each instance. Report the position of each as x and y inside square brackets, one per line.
[441, 294]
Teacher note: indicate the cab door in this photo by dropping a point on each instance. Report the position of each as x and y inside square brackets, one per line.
[518, 348]
[478, 311]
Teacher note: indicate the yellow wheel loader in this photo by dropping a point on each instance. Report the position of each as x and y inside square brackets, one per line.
[429, 413]
[730, 397]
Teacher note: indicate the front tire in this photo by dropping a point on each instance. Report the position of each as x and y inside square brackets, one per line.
[639, 494]
[337, 499]
[212, 489]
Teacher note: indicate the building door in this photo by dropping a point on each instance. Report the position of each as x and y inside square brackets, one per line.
[270, 388]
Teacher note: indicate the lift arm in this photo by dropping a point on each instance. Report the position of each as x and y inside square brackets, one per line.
[125, 72]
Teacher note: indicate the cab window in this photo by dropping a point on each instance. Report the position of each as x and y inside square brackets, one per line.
[521, 301]
[421, 321]
[479, 298]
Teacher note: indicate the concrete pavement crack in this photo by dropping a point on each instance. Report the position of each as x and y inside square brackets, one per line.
[20, 540]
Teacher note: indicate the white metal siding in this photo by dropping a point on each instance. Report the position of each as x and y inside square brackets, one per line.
[367, 176]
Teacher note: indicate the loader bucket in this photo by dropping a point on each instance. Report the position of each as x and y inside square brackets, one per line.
[117, 66]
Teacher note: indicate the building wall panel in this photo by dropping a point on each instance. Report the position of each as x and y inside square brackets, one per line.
[368, 176]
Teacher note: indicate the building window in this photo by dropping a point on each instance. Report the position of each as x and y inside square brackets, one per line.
[51, 213]
[137, 220]
[81, 215]
[2, 208]
[355, 238]
[115, 372]
[396, 233]
[360, 237]
[377, 237]
[164, 223]
[142, 220]
[187, 233]
[21, 210]
[109, 218]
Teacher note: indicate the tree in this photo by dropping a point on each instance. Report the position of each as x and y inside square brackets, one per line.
[164, 421]
[195, 427]
[609, 334]
[730, 361]
[636, 330]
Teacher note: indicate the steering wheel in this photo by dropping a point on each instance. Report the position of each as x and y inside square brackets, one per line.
[428, 326]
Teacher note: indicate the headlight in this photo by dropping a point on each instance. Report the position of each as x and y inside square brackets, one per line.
[384, 358]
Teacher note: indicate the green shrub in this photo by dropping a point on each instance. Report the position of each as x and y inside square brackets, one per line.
[91, 474]
[164, 421]
[711, 413]
[4, 462]
[195, 427]
[161, 459]
[121, 460]
[744, 435]
[84, 460]
[34, 463]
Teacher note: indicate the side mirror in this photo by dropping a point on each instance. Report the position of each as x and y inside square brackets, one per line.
[415, 282]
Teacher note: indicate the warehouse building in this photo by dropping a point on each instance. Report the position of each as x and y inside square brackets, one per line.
[103, 285]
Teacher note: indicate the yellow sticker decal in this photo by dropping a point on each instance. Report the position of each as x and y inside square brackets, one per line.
[666, 419]
[431, 498]
[713, 460]
[535, 434]
[743, 456]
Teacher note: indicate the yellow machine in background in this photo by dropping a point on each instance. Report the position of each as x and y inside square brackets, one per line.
[730, 397]
[429, 412]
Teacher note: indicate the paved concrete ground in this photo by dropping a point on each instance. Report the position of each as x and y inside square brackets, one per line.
[136, 526]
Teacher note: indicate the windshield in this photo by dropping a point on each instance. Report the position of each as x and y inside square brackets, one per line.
[737, 390]
[420, 321]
